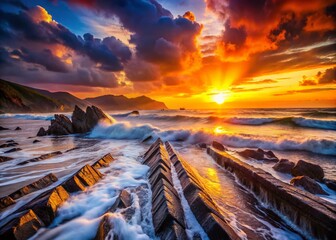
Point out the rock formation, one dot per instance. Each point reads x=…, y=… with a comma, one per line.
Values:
x=81, y=122
x=303, y=168
x=259, y=154
x=284, y=166
x=308, y=184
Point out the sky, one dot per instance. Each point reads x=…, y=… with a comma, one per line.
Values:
x=186, y=53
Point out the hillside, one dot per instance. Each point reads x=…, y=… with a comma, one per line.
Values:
x=120, y=102
x=16, y=98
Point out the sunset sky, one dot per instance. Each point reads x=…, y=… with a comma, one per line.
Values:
x=186, y=53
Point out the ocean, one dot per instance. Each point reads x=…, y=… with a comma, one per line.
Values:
x=294, y=134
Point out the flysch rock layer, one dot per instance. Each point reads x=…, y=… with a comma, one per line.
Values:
x=311, y=214
x=201, y=204
x=167, y=211
x=42, y=209
x=103, y=162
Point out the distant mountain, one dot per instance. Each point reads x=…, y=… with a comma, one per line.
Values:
x=120, y=102
x=16, y=98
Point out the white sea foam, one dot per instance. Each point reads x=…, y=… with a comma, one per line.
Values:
x=84, y=210
x=126, y=131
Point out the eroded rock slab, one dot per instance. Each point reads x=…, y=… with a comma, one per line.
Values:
x=40, y=158
x=35, y=186
x=303, y=168
x=313, y=215
x=308, y=184
x=5, y=202
x=5, y=159
x=284, y=166
x=167, y=211
x=201, y=204
x=86, y=176
x=22, y=228
x=103, y=162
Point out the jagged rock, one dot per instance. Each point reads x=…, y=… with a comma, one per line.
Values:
x=103, y=162
x=259, y=154
x=40, y=158
x=94, y=115
x=41, y=132
x=202, y=145
x=36, y=141
x=218, y=146
x=308, y=184
x=303, y=168
x=86, y=176
x=79, y=120
x=201, y=204
x=5, y=159
x=284, y=166
x=35, y=186
x=330, y=183
x=18, y=129
x=13, y=150
x=310, y=213
x=106, y=229
x=3, y=128
x=45, y=206
x=23, y=227
x=135, y=112
x=11, y=144
x=5, y=202
x=61, y=125
x=167, y=212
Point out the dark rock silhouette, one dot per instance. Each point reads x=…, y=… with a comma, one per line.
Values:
x=81, y=122
x=11, y=144
x=308, y=184
x=5, y=159
x=13, y=150
x=259, y=154
x=284, y=166
x=36, y=141
x=41, y=132
x=3, y=128
x=218, y=146
x=303, y=168
x=330, y=183
x=18, y=129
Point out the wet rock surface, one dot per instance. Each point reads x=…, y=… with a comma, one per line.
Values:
x=13, y=150
x=23, y=227
x=284, y=166
x=308, y=184
x=167, y=212
x=5, y=202
x=303, y=168
x=330, y=183
x=35, y=186
x=219, y=146
x=42, y=209
x=310, y=214
x=40, y=158
x=81, y=122
x=3, y=128
x=5, y=159
x=259, y=154
x=201, y=204
x=103, y=162
x=10, y=144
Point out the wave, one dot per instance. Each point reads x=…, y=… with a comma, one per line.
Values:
x=126, y=131
x=28, y=116
x=252, y=121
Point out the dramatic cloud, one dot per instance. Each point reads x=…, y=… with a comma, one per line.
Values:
x=158, y=37
x=45, y=58
x=252, y=27
x=327, y=77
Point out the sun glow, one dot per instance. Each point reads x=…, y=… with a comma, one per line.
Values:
x=220, y=98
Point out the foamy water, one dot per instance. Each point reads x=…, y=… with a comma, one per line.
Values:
x=293, y=134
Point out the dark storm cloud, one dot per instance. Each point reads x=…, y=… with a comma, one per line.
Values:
x=327, y=77
x=16, y=3
x=19, y=29
x=159, y=38
x=141, y=71
x=235, y=36
x=45, y=58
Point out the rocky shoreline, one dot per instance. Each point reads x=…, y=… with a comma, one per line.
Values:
x=311, y=215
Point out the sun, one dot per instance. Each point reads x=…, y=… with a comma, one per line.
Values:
x=219, y=98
